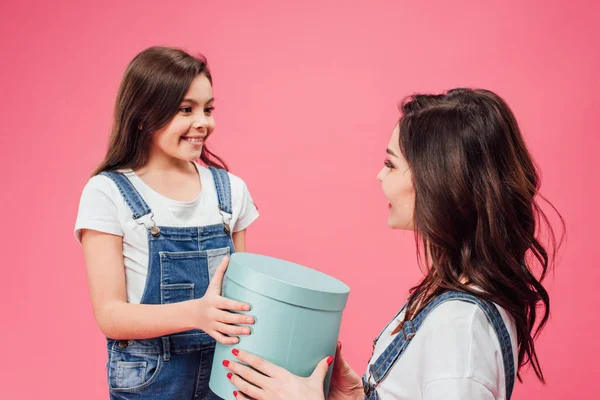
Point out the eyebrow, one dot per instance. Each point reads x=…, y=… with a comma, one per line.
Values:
x=389, y=151
x=194, y=102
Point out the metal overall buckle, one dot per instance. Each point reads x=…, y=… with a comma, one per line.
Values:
x=411, y=333
x=226, y=226
x=154, y=229
x=367, y=387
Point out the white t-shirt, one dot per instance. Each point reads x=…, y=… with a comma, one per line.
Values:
x=454, y=355
x=102, y=208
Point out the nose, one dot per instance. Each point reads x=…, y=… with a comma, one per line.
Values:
x=381, y=174
x=201, y=121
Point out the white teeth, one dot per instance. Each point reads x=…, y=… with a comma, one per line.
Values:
x=194, y=140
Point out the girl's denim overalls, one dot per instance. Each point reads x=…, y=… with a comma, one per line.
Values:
x=181, y=262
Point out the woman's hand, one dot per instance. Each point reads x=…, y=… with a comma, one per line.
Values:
x=210, y=312
x=272, y=382
x=345, y=383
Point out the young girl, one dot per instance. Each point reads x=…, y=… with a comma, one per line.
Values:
x=156, y=228
x=457, y=173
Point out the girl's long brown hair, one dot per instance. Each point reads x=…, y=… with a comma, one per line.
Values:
x=476, y=216
x=153, y=86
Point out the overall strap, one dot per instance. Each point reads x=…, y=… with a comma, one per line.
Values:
x=139, y=208
x=384, y=363
x=223, y=186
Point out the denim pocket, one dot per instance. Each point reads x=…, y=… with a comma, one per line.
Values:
x=214, y=258
x=177, y=292
x=132, y=372
x=185, y=275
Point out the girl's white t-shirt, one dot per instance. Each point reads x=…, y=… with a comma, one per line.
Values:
x=454, y=355
x=102, y=208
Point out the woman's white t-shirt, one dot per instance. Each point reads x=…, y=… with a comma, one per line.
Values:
x=102, y=208
x=454, y=355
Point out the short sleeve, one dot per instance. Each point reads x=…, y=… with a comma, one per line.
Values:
x=470, y=366
x=97, y=208
x=456, y=389
x=247, y=210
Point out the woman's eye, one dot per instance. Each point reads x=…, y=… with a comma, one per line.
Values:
x=186, y=110
x=388, y=164
x=209, y=110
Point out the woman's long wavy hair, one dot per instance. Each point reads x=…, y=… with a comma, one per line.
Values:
x=153, y=86
x=476, y=219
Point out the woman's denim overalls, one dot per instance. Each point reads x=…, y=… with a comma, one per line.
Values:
x=384, y=363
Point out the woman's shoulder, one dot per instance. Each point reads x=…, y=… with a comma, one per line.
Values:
x=461, y=315
x=459, y=334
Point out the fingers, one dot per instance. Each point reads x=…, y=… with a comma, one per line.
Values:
x=239, y=395
x=263, y=366
x=338, y=354
x=224, y=303
x=219, y=337
x=217, y=280
x=248, y=375
x=340, y=362
x=247, y=388
x=232, y=329
x=320, y=371
x=238, y=319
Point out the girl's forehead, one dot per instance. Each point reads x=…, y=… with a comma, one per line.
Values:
x=200, y=88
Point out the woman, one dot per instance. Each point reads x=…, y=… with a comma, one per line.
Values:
x=458, y=174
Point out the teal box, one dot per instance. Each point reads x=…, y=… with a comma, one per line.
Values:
x=297, y=311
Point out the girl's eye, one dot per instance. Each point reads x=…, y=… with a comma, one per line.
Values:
x=209, y=110
x=186, y=110
x=388, y=164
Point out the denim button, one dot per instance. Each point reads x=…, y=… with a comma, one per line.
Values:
x=155, y=231
x=123, y=343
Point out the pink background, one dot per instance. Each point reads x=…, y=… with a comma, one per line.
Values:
x=306, y=100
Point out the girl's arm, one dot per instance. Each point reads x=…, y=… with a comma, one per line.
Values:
x=239, y=240
x=118, y=319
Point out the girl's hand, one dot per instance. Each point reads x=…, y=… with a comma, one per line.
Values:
x=209, y=312
x=345, y=383
x=272, y=382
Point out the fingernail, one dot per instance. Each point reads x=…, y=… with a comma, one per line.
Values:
x=340, y=344
x=234, y=393
x=235, y=352
x=329, y=360
x=226, y=363
x=249, y=320
x=229, y=375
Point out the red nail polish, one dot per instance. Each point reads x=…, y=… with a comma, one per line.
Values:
x=234, y=394
x=226, y=363
x=329, y=360
x=235, y=352
x=229, y=375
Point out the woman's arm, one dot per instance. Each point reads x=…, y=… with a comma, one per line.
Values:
x=118, y=319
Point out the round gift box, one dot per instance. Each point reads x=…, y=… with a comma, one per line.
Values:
x=297, y=312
